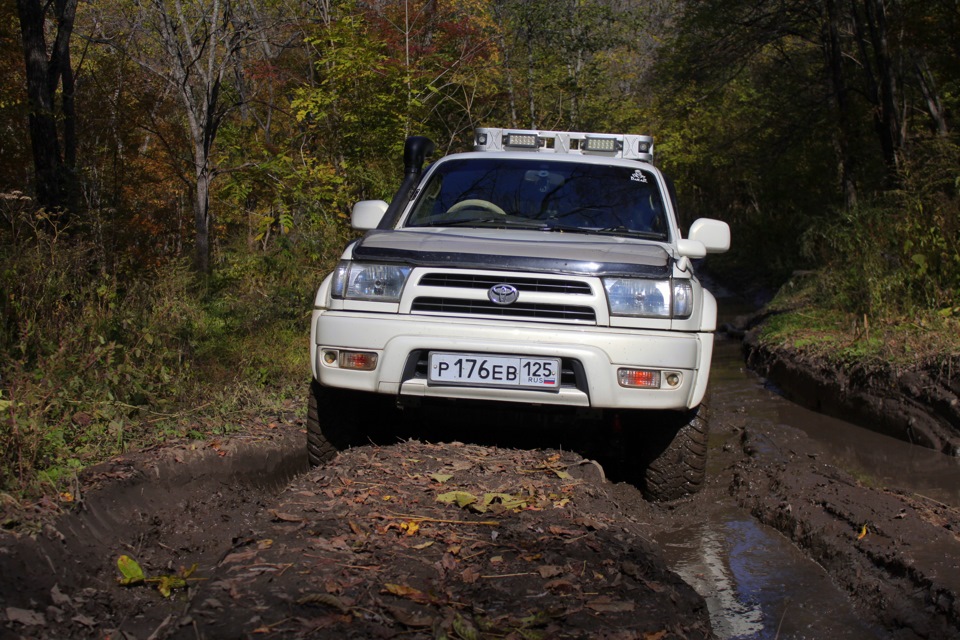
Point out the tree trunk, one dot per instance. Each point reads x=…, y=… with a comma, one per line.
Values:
x=931, y=97
x=54, y=169
x=202, y=223
x=834, y=59
x=887, y=115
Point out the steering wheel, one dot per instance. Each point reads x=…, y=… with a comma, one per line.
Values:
x=476, y=203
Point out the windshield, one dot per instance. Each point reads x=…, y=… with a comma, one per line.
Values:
x=542, y=194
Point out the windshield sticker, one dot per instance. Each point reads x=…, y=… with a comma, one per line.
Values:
x=638, y=176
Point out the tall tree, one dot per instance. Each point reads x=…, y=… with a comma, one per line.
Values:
x=194, y=48
x=49, y=74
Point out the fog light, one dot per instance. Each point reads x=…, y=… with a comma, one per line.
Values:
x=638, y=378
x=330, y=357
x=359, y=360
x=673, y=379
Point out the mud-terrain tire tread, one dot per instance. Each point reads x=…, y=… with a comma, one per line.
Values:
x=328, y=436
x=680, y=469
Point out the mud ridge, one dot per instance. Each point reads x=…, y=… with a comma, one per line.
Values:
x=896, y=554
x=920, y=405
x=58, y=583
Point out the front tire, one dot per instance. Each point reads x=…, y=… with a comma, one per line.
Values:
x=334, y=421
x=675, y=454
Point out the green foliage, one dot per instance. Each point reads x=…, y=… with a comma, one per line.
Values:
x=95, y=360
x=898, y=255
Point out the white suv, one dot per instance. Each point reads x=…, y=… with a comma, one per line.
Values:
x=545, y=269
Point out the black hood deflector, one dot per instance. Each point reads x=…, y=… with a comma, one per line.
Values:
x=580, y=255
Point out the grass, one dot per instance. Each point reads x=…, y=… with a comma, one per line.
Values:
x=803, y=320
x=99, y=359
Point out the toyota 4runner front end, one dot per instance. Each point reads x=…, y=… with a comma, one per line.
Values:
x=544, y=268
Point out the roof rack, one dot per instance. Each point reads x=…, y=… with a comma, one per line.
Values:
x=611, y=145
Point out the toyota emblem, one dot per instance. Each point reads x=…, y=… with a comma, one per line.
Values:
x=503, y=294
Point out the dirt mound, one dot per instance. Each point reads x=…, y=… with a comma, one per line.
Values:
x=411, y=540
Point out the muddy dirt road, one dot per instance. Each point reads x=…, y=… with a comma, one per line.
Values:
x=807, y=529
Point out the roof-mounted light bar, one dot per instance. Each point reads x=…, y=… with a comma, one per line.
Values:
x=632, y=147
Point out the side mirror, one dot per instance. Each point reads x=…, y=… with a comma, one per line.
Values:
x=367, y=214
x=706, y=236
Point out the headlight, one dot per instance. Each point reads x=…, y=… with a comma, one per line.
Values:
x=649, y=298
x=377, y=282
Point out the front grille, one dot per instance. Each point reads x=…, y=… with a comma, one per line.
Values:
x=515, y=310
x=472, y=281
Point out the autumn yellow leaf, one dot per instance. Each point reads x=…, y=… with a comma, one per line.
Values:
x=863, y=533
x=461, y=498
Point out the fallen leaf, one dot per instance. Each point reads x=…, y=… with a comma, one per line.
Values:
x=58, y=598
x=549, y=571
x=168, y=583
x=508, y=501
x=26, y=617
x=284, y=517
x=408, y=592
x=410, y=528
x=84, y=620
x=423, y=546
x=448, y=562
x=326, y=599
x=440, y=477
x=559, y=584
x=863, y=533
x=659, y=635
x=464, y=629
x=560, y=531
x=239, y=556
x=130, y=570
x=461, y=498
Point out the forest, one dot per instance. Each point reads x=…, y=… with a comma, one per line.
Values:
x=176, y=177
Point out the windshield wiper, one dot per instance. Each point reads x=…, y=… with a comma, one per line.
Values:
x=487, y=221
x=610, y=231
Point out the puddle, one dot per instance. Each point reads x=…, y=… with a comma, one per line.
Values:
x=757, y=584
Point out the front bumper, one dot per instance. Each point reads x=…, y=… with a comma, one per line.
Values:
x=593, y=353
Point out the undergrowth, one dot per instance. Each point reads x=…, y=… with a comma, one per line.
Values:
x=887, y=283
x=800, y=317
x=98, y=356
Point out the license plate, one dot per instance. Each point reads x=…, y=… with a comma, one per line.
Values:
x=482, y=370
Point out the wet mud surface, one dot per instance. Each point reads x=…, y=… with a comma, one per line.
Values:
x=534, y=537
x=920, y=405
